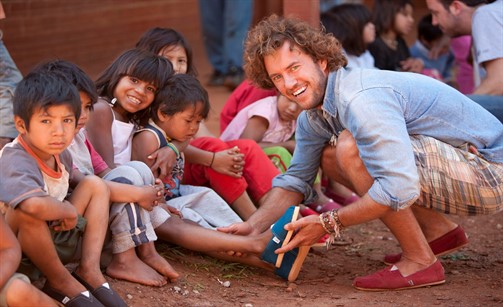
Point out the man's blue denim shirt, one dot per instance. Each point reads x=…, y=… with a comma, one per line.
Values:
x=381, y=109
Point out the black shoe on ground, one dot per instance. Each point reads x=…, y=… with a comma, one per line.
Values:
x=216, y=79
x=234, y=78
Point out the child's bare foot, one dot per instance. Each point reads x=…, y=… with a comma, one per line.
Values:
x=149, y=255
x=128, y=266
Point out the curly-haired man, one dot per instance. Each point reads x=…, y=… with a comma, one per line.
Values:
x=410, y=146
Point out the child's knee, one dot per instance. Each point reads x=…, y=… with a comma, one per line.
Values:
x=95, y=184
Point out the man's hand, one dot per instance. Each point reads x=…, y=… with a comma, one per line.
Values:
x=309, y=231
x=229, y=162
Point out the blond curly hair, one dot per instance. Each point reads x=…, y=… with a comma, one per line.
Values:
x=270, y=34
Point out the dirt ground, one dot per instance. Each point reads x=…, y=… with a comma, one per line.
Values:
x=473, y=275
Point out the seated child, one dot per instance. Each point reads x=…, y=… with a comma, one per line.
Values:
x=238, y=171
x=176, y=113
x=35, y=182
x=271, y=122
x=131, y=184
x=428, y=36
x=15, y=288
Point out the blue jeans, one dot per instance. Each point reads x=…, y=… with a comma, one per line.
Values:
x=9, y=78
x=493, y=104
x=225, y=24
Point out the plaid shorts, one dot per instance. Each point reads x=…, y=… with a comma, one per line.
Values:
x=455, y=181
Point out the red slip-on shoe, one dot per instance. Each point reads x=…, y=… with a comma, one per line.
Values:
x=390, y=278
x=344, y=201
x=446, y=244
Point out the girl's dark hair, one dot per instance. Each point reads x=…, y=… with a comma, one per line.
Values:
x=44, y=89
x=385, y=12
x=427, y=31
x=346, y=22
x=141, y=64
x=74, y=74
x=181, y=91
x=156, y=39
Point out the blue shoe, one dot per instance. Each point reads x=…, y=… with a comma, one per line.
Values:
x=288, y=264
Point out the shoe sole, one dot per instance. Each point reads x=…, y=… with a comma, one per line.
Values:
x=288, y=237
x=436, y=283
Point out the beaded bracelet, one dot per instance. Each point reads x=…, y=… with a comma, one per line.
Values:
x=331, y=223
x=173, y=147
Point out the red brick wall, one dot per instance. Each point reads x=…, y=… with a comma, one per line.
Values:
x=90, y=33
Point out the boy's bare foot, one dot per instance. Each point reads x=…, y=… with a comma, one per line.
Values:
x=128, y=266
x=149, y=255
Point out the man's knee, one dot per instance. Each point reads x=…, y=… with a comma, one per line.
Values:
x=342, y=153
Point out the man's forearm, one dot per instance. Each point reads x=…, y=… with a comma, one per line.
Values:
x=275, y=204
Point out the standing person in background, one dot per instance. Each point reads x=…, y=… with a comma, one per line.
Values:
x=393, y=20
x=484, y=22
x=224, y=24
x=9, y=78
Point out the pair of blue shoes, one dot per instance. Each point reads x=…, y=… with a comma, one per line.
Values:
x=287, y=265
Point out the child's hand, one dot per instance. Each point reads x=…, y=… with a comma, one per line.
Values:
x=164, y=161
x=172, y=210
x=412, y=64
x=68, y=222
x=229, y=162
x=151, y=195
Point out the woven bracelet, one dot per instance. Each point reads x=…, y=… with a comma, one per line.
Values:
x=173, y=147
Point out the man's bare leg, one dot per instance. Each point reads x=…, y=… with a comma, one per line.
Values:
x=343, y=164
x=433, y=224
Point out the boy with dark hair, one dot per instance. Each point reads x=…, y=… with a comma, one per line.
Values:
x=35, y=182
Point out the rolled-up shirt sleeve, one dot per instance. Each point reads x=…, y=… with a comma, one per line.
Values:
x=377, y=123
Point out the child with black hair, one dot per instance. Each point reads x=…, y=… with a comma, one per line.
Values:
x=127, y=88
x=176, y=115
x=393, y=20
x=126, y=182
x=238, y=170
x=352, y=25
x=35, y=176
x=429, y=36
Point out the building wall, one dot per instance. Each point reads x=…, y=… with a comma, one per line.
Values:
x=92, y=33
